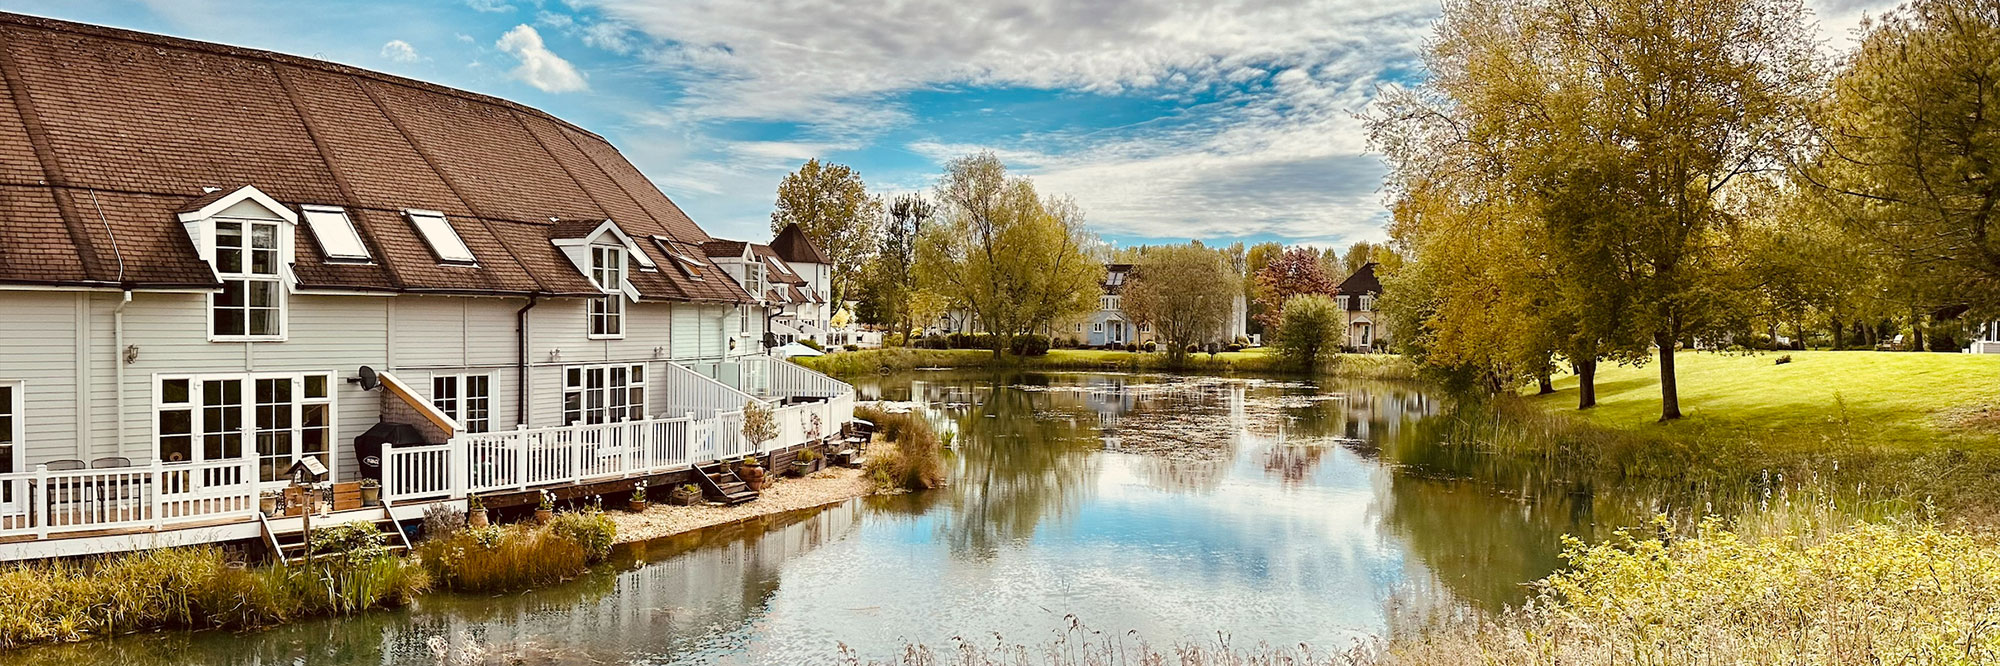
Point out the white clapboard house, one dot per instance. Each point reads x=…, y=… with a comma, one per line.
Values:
x=218, y=262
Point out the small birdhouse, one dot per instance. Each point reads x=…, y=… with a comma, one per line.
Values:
x=307, y=470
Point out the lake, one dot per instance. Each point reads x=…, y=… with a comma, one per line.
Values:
x=1174, y=507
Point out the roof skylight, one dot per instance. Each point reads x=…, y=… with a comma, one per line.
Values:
x=336, y=233
x=442, y=238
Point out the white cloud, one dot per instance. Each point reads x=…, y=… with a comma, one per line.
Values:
x=539, y=67
x=491, y=6
x=1263, y=140
x=399, y=51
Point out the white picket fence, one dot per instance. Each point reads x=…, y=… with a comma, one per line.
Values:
x=528, y=458
x=157, y=495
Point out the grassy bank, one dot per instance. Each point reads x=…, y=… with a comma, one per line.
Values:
x=1914, y=401
x=1255, y=360
x=1814, y=591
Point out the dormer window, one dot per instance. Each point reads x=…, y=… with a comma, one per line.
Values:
x=336, y=234
x=607, y=313
x=246, y=238
x=252, y=301
x=443, y=239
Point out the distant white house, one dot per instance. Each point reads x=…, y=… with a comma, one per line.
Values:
x=1356, y=295
x=1108, y=325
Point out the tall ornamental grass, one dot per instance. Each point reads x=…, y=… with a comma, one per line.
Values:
x=189, y=588
x=909, y=455
x=513, y=557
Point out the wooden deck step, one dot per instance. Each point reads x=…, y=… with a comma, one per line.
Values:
x=719, y=483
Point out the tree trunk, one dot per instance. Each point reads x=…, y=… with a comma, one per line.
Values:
x=1838, y=338
x=1670, y=395
x=1586, y=383
x=1544, y=385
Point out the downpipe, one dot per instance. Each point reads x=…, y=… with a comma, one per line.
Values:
x=522, y=388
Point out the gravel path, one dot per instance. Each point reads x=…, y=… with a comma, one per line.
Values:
x=823, y=487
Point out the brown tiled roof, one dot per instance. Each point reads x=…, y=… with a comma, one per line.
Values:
x=723, y=248
x=714, y=285
x=775, y=265
x=106, y=133
x=793, y=246
x=1363, y=281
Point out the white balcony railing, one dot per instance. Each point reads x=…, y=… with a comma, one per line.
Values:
x=158, y=495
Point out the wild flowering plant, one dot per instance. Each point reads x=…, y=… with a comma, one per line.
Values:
x=548, y=501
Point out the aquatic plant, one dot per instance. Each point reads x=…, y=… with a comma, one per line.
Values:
x=189, y=588
x=909, y=456
x=592, y=530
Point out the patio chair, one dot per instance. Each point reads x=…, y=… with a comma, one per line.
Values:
x=110, y=462
x=64, y=465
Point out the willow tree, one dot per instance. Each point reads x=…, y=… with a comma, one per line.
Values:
x=1911, y=153
x=1184, y=292
x=831, y=204
x=1017, y=261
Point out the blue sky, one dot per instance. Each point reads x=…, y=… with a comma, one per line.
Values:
x=1167, y=120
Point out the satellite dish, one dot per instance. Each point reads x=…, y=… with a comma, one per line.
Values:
x=369, y=381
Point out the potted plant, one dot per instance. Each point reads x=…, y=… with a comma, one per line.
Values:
x=475, y=512
x=686, y=495
x=545, y=511
x=371, y=492
x=807, y=462
x=638, y=502
x=268, y=503
x=751, y=470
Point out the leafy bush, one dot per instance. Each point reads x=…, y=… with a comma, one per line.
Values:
x=809, y=342
x=442, y=518
x=851, y=347
x=1030, y=345
x=1308, y=330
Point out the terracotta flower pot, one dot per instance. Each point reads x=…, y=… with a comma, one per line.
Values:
x=476, y=518
x=637, y=506
x=543, y=516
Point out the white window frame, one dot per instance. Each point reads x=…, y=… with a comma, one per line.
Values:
x=442, y=238
x=605, y=398
x=246, y=403
x=15, y=407
x=459, y=405
x=244, y=273
x=1367, y=302
x=1097, y=327
x=333, y=221
x=607, y=271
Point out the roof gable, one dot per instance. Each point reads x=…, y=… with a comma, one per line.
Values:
x=1363, y=281
x=793, y=246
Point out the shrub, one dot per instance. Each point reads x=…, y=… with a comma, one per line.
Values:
x=442, y=518
x=758, y=424
x=1150, y=346
x=353, y=542
x=1030, y=345
x=502, y=558
x=1131, y=347
x=592, y=530
x=851, y=347
x=1782, y=360
x=909, y=456
x=1308, y=330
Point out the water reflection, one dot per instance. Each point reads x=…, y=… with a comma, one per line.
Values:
x=1278, y=511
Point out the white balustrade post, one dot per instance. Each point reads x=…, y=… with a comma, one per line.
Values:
x=457, y=472
x=156, y=506
x=521, y=455
x=388, y=474
x=687, y=452
x=576, y=451
x=41, y=501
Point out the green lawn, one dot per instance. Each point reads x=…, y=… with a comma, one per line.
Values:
x=1893, y=398
x=1257, y=359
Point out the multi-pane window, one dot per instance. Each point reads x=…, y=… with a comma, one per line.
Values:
x=467, y=399
x=10, y=424
x=604, y=393
x=607, y=314
x=289, y=416
x=252, y=301
x=1367, y=302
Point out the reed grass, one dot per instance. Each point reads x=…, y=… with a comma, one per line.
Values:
x=515, y=557
x=188, y=588
x=909, y=455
